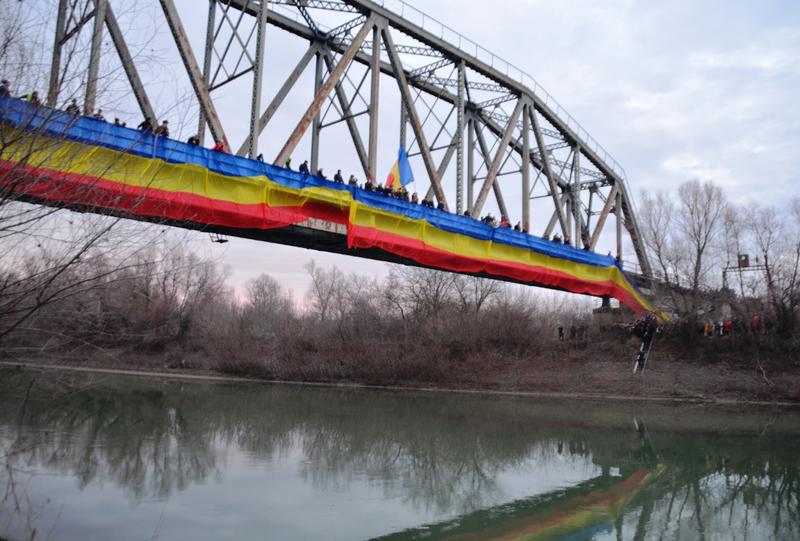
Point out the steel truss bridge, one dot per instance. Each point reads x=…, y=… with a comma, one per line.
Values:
x=458, y=99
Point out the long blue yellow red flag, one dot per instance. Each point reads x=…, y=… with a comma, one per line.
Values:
x=400, y=174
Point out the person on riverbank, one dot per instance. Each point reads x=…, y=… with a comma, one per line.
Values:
x=646, y=329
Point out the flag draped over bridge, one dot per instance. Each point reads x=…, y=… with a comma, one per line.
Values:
x=60, y=159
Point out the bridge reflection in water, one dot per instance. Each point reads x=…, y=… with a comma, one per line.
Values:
x=422, y=465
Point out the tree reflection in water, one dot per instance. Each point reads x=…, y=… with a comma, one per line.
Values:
x=440, y=453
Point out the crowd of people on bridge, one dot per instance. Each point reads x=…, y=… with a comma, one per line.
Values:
x=370, y=185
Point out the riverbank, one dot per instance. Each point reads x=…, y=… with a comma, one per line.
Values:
x=566, y=370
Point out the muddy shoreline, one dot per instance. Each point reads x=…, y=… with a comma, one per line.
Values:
x=570, y=377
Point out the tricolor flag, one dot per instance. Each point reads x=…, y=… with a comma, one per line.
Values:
x=401, y=174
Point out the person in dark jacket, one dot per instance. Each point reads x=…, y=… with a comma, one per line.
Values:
x=304, y=167
x=73, y=108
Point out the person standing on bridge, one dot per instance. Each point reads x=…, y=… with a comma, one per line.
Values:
x=288, y=164
x=99, y=115
x=320, y=174
x=4, y=88
x=338, y=177
x=304, y=167
x=194, y=140
x=73, y=108
x=145, y=125
x=163, y=129
x=33, y=98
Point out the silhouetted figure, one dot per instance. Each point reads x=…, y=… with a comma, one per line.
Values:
x=338, y=177
x=415, y=198
x=304, y=167
x=352, y=181
x=440, y=205
x=288, y=163
x=645, y=329
x=517, y=227
x=33, y=98
x=368, y=185
x=193, y=140
x=163, y=129
x=320, y=174
x=560, y=332
x=99, y=115
x=145, y=125
x=73, y=108
x=5, y=89
x=260, y=157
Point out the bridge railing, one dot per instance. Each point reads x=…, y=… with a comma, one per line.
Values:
x=469, y=47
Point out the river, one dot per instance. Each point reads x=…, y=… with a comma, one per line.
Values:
x=91, y=456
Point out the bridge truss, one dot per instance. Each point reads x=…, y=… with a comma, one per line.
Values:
x=506, y=133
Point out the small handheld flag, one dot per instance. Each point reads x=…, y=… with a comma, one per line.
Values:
x=401, y=173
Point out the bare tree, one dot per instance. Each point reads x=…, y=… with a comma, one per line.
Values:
x=700, y=212
x=324, y=289
x=474, y=292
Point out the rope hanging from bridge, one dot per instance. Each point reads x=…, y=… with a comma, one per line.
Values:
x=68, y=160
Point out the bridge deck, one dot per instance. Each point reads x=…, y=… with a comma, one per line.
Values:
x=57, y=159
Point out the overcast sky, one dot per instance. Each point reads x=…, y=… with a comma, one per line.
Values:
x=674, y=90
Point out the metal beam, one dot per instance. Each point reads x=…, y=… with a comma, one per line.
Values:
x=346, y=27
x=349, y=117
x=258, y=65
x=316, y=122
x=55, y=63
x=374, y=98
x=526, y=170
x=300, y=5
x=501, y=204
x=413, y=117
x=430, y=68
x=601, y=220
x=448, y=155
x=501, y=151
x=470, y=162
x=209, y=46
x=94, y=56
x=445, y=82
x=193, y=70
x=618, y=213
x=554, y=217
x=323, y=92
x=129, y=66
x=551, y=180
x=460, y=139
x=276, y=102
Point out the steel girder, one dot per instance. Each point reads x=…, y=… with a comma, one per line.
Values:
x=368, y=39
x=424, y=79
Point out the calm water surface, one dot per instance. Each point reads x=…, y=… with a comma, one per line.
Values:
x=126, y=458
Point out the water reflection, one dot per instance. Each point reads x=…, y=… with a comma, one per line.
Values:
x=635, y=471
